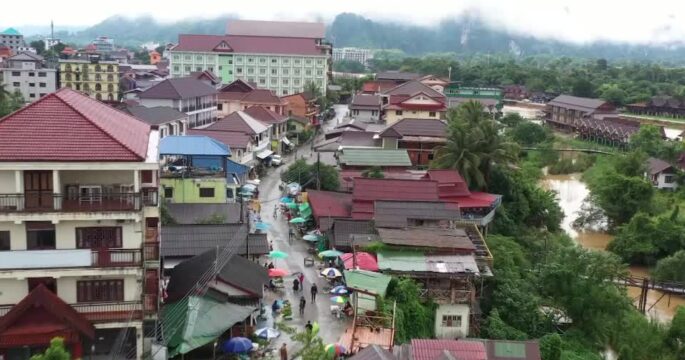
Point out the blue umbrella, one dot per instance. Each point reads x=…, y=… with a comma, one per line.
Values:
x=286, y=199
x=262, y=226
x=339, y=290
x=237, y=345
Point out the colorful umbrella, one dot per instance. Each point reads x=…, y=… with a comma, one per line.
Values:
x=276, y=272
x=338, y=299
x=277, y=254
x=287, y=200
x=330, y=253
x=331, y=273
x=267, y=333
x=335, y=349
x=298, y=220
x=339, y=290
x=365, y=261
x=237, y=345
x=311, y=238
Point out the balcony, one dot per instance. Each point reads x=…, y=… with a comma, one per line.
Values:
x=70, y=258
x=151, y=251
x=103, y=312
x=43, y=201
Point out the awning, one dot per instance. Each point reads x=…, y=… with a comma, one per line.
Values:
x=264, y=154
x=286, y=141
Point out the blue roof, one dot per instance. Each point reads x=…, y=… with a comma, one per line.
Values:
x=10, y=31
x=192, y=145
x=233, y=167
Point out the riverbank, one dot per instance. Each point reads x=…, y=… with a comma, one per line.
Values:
x=571, y=193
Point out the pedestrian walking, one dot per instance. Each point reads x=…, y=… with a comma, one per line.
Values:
x=296, y=285
x=303, y=303
x=309, y=326
x=314, y=289
x=301, y=278
x=284, y=352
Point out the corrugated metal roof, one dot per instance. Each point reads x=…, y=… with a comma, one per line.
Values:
x=374, y=157
x=416, y=261
x=428, y=237
x=655, y=166
x=512, y=350
x=265, y=115
x=577, y=103
x=178, y=88
x=192, y=145
x=414, y=87
x=343, y=229
x=427, y=349
x=329, y=204
x=373, y=352
x=419, y=127
x=232, y=139
x=395, y=214
x=239, y=121
x=190, y=240
x=155, y=115
x=367, y=281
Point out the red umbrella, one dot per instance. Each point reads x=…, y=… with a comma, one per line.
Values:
x=365, y=261
x=276, y=272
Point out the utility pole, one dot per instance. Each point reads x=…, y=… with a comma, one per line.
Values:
x=318, y=170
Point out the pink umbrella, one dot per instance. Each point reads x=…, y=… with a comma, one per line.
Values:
x=276, y=272
x=365, y=261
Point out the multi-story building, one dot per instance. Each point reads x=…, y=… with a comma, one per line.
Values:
x=188, y=95
x=354, y=54
x=414, y=100
x=568, y=112
x=25, y=72
x=103, y=44
x=240, y=95
x=13, y=39
x=271, y=60
x=98, y=79
x=79, y=219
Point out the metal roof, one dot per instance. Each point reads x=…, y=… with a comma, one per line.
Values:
x=190, y=240
x=192, y=145
x=374, y=157
x=367, y=281
x=178, y=88
x=396, y=214
x=432, y=237
x=409, y=261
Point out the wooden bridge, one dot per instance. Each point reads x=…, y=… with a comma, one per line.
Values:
x=589, y=151
x=646, y=284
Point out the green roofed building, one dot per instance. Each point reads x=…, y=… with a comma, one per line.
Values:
x=357, y=159
x=490, y=97
x=367, y=285
x=13, y=39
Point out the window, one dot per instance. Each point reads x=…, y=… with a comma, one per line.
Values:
x=431, y=114
x=274, y=61
x=262, y=81
x=431, y=156
x=297, y=72
x=319, y=72
x=187, y=68
x=238, y=70
x=40, y=235
x=16, y=73
x=285, y=71
x=308, y=72
x=451, y=320
x=285, y=81
x=308, y=62
x=229, y=193
x=669, y=179
x=15, y=84
x=297, y=62
x=398, y=112
x=262, y=60
x=32, y=95
x=198, y=58
x=219, y=107
x=168, y=192
x=4, y=240
x=250, y=60
x=32, y=74
x=250, y=71
x=374, y=112
x=32, y=84
x=206, y=192
x=99, y=290
x=42, y=84
x=274, y=81
x=262, y=71
x=274, y=71
x=286, y=61
x=198, y=68
x=98, y=237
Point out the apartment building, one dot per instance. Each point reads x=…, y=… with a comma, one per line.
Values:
x=353, y=54
x=189, y=95
x=98, y=79
x=25, y=72
x=13, y=39
x=79, y=219
x=275, y=58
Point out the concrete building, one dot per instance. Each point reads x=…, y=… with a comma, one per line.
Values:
x=79, y=220
x=188, y=95
x=239, y=95
x=13, y=39
x=264, y=53
x=168, y=121
x=414, y=100
x=366, y=108
x=25, y=72
x=98, y=79
x=103, y=44
x=354, y=54
x=661, y=174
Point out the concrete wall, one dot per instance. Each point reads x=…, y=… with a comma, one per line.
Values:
x=662, y=184
x=13, y=290
x=188, y=190
x=444, y=332
x=392, y=117
x=365, y=115
x=29, y=83
x=7, y=182
x=65, y=233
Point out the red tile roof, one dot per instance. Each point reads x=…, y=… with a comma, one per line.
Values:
x=265, y=115
x=424, y=349
x=233, y=139
x=329, y=204
x=69, y=126
x=276, y=28
x=248, y=44
x=367, y=190
x=262, y=96
x=450, y=183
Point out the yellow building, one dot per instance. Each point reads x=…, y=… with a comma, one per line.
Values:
x=97, y=79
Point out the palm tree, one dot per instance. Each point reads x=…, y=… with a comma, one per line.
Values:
x=474, y=145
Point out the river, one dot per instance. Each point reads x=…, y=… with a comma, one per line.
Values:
x=571, y=192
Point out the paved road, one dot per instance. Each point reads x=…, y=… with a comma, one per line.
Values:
x=269, y=195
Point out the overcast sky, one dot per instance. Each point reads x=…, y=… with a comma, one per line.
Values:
x=654, y=21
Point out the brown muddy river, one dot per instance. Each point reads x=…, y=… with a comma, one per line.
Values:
x=571, y=192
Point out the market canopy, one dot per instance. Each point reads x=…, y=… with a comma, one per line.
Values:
x=202, y=320
x=365, y=261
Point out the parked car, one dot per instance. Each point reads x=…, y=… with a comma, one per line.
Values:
x=276, y=160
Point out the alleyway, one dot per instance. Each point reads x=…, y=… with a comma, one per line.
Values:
x=269, y=195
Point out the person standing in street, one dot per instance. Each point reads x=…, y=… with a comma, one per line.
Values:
x=303, y=302
x=314, y=291
x=309, y=327
x=301, y=278
x=284, y=352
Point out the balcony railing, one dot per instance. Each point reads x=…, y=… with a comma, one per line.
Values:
x=151, y=251
x=101, y=312
x=49, y=202
x=71, y=258
x=116, y=258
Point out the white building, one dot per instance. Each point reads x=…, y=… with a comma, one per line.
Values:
x=188, y=95
x=25, y=72
x=661, y=174
x=354, y=54
x=79, y=248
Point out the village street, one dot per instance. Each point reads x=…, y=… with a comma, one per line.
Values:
x=269, y=194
